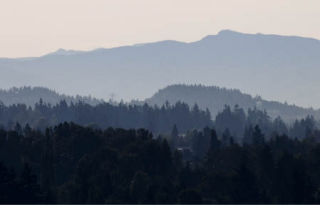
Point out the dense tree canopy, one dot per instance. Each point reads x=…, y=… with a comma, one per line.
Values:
x=71, y=164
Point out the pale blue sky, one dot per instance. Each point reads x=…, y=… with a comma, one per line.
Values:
x=36, y=27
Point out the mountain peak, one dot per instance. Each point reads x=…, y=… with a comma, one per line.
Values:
x=62, y=51
x=228, y=32
x=223, y=33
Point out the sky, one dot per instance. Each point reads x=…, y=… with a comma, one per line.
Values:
x=37, y=27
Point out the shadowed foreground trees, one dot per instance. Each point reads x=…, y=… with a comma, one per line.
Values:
x=71, y=164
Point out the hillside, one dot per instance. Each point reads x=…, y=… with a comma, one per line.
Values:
x=32, y=95
x=214, y=98
x=281, y=68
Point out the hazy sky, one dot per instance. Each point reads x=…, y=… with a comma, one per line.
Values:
x=36, y=27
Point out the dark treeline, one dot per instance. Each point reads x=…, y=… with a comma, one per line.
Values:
x=103, y=115
x=70, y=164
x=233, y=122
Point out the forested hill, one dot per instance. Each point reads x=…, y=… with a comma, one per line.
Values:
x=31, y=95
x=215, y=98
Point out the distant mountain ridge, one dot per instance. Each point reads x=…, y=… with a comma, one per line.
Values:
x=282, y=68
x=215, y=98
x=32, y=95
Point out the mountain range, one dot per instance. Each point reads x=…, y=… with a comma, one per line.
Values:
x=281, y=68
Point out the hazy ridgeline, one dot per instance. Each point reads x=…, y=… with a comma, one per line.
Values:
x=275, y=67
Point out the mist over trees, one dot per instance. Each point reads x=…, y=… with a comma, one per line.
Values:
x=116, y=153
x=236, y=123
